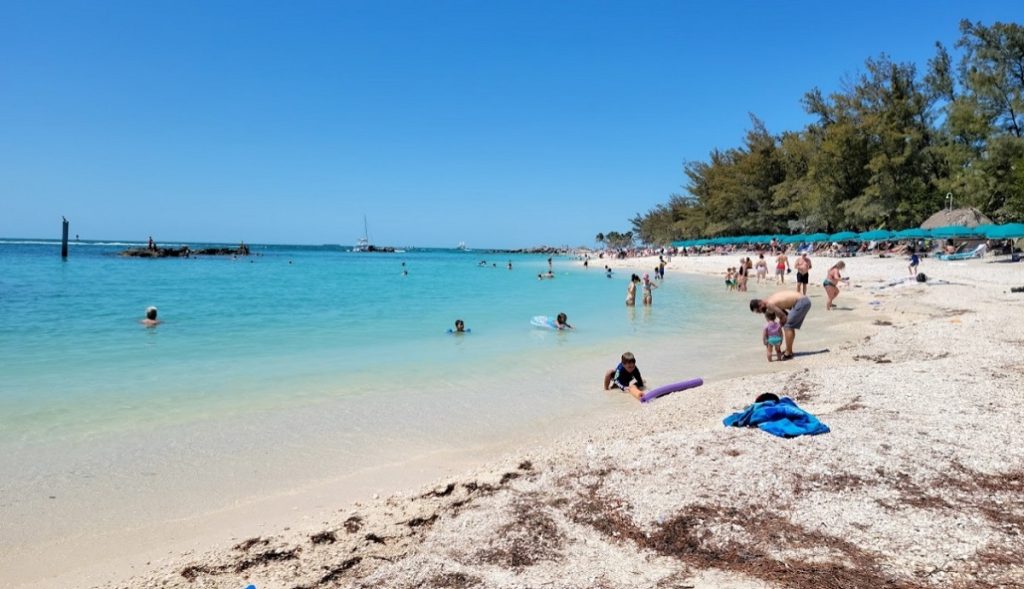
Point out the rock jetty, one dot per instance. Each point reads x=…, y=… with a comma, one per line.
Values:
x=184, y=252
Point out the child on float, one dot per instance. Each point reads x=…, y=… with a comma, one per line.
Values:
x=562, y=322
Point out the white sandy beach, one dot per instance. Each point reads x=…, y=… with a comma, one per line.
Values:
x=917, y=485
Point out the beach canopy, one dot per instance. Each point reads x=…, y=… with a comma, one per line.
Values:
x=843, y=236
x=950, y=231
x=876, y=235
x=913, y=233
x=1007, y=231
x=805, y=238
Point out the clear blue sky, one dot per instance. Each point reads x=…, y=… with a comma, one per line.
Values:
x=501, y=124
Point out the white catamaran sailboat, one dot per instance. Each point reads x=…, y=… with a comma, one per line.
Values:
x=363, y=243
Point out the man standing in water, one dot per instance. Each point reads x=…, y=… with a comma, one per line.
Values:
x=791, y=308
x=781, y=267
x=803, y=273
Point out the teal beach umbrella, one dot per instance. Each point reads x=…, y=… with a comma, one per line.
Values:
x=843, y=236
x=951, y=231
x=913, y=233
x=1007, y=231
x=876, y=235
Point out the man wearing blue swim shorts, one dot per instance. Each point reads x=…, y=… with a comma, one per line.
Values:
x=791, y=308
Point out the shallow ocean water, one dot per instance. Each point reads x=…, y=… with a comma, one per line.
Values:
x=287, y=326
x=300, y=364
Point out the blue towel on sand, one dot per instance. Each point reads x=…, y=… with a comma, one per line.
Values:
x=780, y=418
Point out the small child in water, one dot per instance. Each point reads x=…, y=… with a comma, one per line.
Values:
x=772, y=335
x=562, y=321
x=460, y=327
x=626, y=376
x=730, y=278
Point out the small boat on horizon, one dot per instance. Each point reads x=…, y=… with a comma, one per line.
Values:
x=462, y=247
x=363, y=243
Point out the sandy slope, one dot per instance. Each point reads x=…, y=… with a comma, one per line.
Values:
x=918, y=485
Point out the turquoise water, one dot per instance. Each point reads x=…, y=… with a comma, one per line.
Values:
x=311, y=374
x=289, y=325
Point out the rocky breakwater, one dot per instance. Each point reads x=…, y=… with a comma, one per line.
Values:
x=184, y=252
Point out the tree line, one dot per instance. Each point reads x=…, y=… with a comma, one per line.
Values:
x=882, y=152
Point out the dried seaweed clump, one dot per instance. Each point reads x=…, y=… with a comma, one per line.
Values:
x=530, y=537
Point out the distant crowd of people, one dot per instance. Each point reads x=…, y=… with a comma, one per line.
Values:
x=784, y=311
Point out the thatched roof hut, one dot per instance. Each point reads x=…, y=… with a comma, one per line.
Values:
x=965, y=217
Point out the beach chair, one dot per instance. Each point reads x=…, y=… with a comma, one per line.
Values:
x=975, y=253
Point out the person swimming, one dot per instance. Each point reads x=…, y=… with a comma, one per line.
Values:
x=150, y=320
x=562, y=322
x=460, y=327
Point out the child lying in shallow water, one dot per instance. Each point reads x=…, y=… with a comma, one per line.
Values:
x=626, y=376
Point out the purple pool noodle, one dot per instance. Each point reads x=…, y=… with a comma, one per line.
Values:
x=671, y=388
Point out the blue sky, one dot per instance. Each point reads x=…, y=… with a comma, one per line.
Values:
x=501, y=124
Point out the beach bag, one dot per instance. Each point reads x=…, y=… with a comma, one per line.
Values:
x=921, y=277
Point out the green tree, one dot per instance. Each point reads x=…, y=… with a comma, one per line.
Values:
x=616, y=240
x=897, y=118
x=993, y=71
x=983, y=123
x=881, y=152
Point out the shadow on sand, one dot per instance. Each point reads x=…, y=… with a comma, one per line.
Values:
x=811, y=353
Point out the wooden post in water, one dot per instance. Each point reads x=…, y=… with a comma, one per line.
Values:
x=64, y=241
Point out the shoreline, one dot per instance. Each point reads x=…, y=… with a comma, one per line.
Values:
x=160, y=531
x=557, y=457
